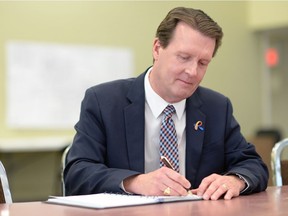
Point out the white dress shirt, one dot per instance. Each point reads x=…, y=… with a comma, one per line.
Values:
x=154, y=105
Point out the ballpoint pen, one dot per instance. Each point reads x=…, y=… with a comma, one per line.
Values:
x=166, y=162
x=169, y=165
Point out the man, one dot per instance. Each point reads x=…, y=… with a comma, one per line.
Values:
x=117, y=146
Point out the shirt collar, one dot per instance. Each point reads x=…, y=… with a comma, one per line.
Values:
x=158, y=104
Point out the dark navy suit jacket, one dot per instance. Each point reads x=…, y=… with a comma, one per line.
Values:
x=109, y=141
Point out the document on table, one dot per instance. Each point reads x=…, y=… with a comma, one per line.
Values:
x=109, y=200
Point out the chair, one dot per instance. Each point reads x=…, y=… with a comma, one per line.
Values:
x=264, y=146
x=279, y=167
x=274, y=133
x=63, y=164
x=5, y=194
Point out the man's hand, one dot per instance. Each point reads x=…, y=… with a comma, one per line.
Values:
x=215, y=186
x=155, y=183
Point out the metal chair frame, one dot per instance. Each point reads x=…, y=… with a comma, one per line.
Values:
x=5, y=194
x=276, y=161
x=63, y=164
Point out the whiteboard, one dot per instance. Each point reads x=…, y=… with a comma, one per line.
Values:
x=46, y=82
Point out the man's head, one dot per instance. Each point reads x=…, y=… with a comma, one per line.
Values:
x=186, y=42
x=197, y=19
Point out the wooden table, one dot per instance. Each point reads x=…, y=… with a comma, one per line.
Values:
x=272, y=202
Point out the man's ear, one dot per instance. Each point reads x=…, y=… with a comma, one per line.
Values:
x=156, y=48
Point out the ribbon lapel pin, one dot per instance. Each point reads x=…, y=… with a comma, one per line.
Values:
x=198, y=125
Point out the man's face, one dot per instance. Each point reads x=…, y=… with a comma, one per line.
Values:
x=180, y=67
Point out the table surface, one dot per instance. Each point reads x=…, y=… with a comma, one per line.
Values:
x=273, y=201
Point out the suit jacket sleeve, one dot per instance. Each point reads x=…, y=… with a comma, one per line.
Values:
x=98, y=159
x=221, y=146
x=242, y=157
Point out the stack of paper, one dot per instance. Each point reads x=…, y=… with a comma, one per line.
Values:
x=109, y=200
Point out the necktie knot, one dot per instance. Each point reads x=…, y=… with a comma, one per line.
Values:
x=169, y=111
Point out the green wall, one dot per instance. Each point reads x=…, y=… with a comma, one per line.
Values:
x=235, y=70
x=265, y=15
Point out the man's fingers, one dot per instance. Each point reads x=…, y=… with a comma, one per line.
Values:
x=205, y=184
x=215, y=186
x=229, y=195
x=222, y=189
x=176, y=182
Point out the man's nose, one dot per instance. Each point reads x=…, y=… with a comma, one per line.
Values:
x=191, y=68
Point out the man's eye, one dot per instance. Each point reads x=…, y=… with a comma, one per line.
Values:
x=184, y=58
x=203, y=63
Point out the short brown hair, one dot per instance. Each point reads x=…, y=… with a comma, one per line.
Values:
x=197, y=19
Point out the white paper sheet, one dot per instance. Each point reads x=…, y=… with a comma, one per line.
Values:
x=108, y=200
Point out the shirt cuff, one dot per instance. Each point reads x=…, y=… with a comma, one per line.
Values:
x=123, y=188
x=247, y=185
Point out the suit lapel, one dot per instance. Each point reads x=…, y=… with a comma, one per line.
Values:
x=134, y=123
x=194, y=138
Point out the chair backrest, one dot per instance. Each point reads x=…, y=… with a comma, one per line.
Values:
x=5, y=194
x=284, y=172
x=279, y=167
x=264, y=146
x=63, y=164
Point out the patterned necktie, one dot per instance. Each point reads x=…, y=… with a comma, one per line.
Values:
x=168, y=138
